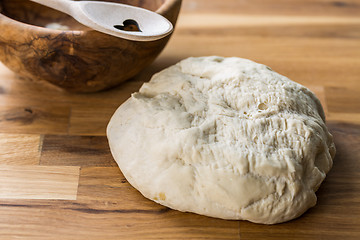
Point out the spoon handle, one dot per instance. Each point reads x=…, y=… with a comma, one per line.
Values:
x=61, y=5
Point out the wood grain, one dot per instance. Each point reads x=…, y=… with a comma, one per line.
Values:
x=22, y=115
x=105, y=220
x=313, y=42
x=90, y=120
x=76, y=151
x=278, y=7
x=338, y=97
x=20, y=149
x=38, y=182
x=231, y=21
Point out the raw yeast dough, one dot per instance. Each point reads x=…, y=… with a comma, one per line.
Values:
x=226, y=138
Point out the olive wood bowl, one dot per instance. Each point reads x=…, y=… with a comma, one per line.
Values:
x=78, y=59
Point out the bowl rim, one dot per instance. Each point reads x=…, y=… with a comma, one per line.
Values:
x=162, y=10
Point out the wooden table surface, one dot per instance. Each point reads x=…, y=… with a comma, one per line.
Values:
x=58, y=179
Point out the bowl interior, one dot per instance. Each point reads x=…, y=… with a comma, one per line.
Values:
x=32, y=13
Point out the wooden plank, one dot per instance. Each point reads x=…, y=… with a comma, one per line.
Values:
x=278, y=7
x=344, y=117
x=334, y=31
x=38, y=182
x=21, y=115
x=220, y=20
x=90, y=120
x=104, y=220
x=347, y=140
x=76, y=151
x=343, y=100
x=316, y=49
x=20, y=149
x=105, y=183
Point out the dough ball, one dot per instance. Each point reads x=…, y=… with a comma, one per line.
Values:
x=226, y=138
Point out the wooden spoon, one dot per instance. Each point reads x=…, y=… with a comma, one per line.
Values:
x=120, y=20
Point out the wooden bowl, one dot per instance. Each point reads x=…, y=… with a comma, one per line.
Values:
x=79, y=59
